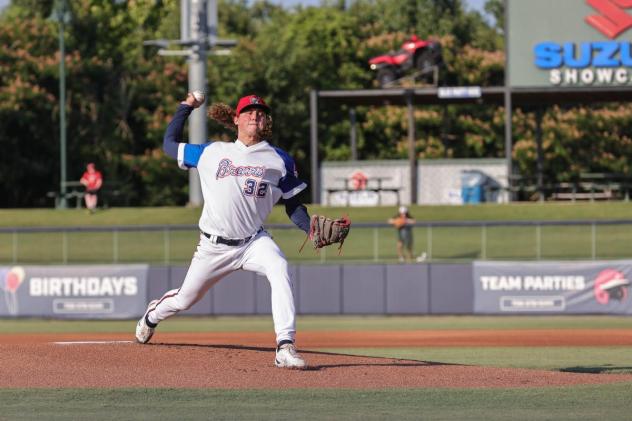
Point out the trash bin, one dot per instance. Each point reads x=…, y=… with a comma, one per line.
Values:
x=473, y=186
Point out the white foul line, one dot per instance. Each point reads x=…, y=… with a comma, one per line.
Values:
x=92, y=342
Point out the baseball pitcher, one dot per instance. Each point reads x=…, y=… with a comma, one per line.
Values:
x=241, y=181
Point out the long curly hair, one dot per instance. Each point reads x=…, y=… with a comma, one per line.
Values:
x=225, y=116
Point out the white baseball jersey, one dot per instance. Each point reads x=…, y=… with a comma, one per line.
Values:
x=260, y=174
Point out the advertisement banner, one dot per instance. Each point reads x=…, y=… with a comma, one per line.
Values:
x=569, y=43
x=552, y=287
x=73, y=292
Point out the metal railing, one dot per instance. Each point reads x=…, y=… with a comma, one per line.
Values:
x=368, y=242
x=585, y=186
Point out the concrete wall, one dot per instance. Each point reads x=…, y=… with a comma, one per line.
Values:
x=393, y=174
x=336, y=289
x=439, y=181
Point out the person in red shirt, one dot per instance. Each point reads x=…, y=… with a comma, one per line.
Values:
x=92, y=180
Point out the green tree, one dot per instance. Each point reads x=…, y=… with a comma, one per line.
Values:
x=293, y=53
x=27, y=106
x=576, y=140
x=120, y=94
x=496, y=8
x=115, y=95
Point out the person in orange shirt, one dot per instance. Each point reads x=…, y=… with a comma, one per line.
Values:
x=403, y=222
x=92, y=180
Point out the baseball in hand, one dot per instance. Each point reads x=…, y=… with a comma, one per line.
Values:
x=199, y=96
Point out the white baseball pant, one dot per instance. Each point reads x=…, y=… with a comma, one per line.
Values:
x=211, y=262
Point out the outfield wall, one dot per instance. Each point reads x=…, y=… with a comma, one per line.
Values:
x=337, y=289
x=479, y=287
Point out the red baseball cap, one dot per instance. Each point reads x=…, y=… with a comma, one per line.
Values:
x=250, y=101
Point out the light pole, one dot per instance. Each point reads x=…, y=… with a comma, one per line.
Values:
x=62, y=16
x=198, y=34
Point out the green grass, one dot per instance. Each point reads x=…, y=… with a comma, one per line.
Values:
x=190, y=215
x=322, y=323
x=363, y=245
x=585, y=359
x=610, y=402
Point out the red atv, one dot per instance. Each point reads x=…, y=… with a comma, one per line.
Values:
x=415, y=54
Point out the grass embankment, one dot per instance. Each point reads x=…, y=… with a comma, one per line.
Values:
x=175, y=246
x=184, y=215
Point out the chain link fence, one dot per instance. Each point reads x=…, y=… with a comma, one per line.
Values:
x=367, y=242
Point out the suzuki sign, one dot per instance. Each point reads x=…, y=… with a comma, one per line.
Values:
x=569, y=42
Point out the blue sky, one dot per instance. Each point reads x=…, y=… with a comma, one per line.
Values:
x=475, y=5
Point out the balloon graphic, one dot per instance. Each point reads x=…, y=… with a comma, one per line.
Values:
x=11, y=281
x=610, y=285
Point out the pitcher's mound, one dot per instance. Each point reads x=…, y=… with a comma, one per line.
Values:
x=115, y=361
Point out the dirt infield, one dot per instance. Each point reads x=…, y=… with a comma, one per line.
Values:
x=245, y=360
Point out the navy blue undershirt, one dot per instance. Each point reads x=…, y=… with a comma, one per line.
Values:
x=297, y=213
x=173, y=133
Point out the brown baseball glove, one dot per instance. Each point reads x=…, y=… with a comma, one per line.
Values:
x=324, y=231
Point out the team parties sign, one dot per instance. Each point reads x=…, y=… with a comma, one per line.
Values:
x=552, y=287
x=117, y=291
x=569, y=43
